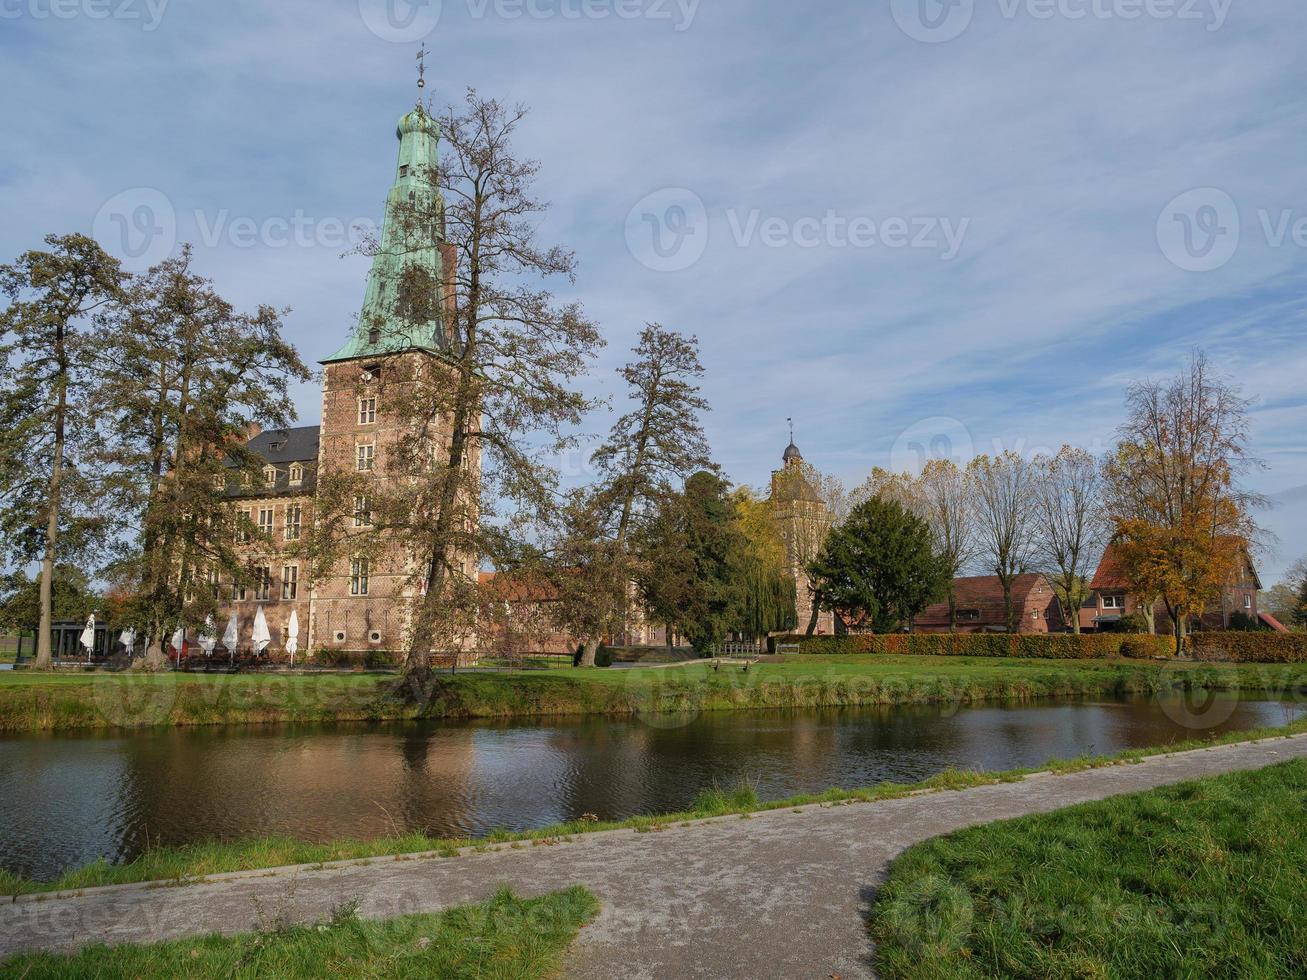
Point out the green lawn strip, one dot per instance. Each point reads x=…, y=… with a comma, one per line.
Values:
x=60, y=702
x=503, y=937
x=190, y=863
x=1202, y=879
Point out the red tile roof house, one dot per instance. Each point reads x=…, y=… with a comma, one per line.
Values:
x=1111, y=599
x=981, y=609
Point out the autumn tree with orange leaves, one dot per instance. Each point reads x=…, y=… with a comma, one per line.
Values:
x=1181, y=519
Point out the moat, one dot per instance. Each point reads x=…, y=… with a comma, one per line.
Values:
x=66, y=800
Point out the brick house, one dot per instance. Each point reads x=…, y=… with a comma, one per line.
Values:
x=363, y=604
x=1112, y=599
x=981, y=609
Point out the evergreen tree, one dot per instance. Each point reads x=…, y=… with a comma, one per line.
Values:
x=690, y=563
x=49, y=507
x=878, y=567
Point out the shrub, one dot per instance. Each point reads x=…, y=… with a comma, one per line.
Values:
x=1241, y=622
x=1033, y=646
x=603, y=656
x=1134, y=623
x=1250, y=648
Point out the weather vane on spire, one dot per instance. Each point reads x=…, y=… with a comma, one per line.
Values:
x=791, y=421
x=422, y=69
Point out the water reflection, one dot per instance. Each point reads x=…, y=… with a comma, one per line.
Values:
x=66, y=800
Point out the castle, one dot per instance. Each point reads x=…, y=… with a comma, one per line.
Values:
x=362, y=604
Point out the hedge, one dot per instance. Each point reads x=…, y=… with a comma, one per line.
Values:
x=1035, y=646
x=1250, y=648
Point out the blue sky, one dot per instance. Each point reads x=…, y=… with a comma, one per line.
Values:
x=905, y=223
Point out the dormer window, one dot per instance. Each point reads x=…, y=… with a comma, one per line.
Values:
x=296, y=475
x=270, y=475
x=374, y=336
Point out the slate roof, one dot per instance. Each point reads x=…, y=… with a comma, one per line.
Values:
x=281, y=448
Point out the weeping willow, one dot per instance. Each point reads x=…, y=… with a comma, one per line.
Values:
x=769, y=602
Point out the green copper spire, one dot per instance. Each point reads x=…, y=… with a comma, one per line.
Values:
x=406, y=248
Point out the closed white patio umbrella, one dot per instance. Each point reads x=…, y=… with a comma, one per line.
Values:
x=261, y=635
x=231, y=637
x=128, y=639
x=208, y=640
x=177, y=642
x=293, y=637
x=87, y=638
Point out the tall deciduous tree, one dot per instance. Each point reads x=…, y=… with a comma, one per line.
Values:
x=879, y=567
x=48, y=505
x=183, y=377
x=659, y=443
x=1070, y=528
x=473, y=472
x=1004, y=488
x=948, y=504
x=1181, y=518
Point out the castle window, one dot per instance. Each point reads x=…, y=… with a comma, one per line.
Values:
x=358, y=576
x=403, y=169
x=220, y=481
x=367, y=410
x=263, y=582
x=246, y=482
x=243, y=527
x=213, y=580
x=296, y=475
x=294, y=517
x=270, y=475
x=366, y=458
x=374, y=336
x=290, y=581
x=265, y=521
x=362, y=511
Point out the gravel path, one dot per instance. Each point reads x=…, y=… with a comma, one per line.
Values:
x=780, y=894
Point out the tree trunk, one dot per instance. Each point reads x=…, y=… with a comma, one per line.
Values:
x=952, y=609
x=1150, y=616
x=1178, y=619
x=154, y=658
x=590, y=651
x=44, y=655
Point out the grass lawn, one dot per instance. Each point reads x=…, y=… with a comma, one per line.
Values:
x=32, y=701
x=1203, y=879
x=504, y=937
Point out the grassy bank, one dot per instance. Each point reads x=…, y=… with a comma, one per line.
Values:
x=504, y=937
x=66, y=701
x=1207, y=878
x=194, y=862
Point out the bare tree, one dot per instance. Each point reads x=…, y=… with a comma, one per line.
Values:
x=486, y=413
x=1004, y=497
x=1070, y=526
x=48, y=508
x=948, y=505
